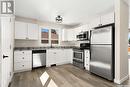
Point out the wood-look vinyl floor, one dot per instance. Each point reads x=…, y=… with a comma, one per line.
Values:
x=59, y=76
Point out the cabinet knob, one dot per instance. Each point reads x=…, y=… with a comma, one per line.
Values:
x=23, y=65
x=23, y=58
x=23, y=52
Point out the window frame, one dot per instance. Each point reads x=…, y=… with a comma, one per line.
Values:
x=49, y=43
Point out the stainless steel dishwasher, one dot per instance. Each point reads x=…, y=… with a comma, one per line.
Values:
x=39, y=58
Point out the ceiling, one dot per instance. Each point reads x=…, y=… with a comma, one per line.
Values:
x=74, y=12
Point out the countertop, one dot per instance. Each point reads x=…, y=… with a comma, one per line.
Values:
x=41, y=48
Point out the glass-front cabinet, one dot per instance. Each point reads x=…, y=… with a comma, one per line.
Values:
x=49, y=36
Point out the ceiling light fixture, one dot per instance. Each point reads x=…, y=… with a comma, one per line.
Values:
x=59, y=19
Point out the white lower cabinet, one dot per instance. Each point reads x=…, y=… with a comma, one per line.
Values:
x=22, y=66
x=22, y=60
x=59, y=56
x=69, y=55
x=87, y=60
x=51, y=57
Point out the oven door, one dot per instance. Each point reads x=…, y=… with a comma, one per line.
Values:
x=78, y=56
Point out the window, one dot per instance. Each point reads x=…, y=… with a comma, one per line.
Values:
x=45, y=36
x=54, y=36
x=49, y=35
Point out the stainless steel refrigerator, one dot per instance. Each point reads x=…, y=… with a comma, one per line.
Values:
x=102, y=51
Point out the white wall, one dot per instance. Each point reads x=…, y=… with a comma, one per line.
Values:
x=121, y=41
x=0, y=54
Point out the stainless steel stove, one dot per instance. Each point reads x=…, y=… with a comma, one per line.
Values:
x=78, y=55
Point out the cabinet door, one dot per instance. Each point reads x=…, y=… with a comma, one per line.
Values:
x=69, y=55
x=107, y=19
x=22, y=56
x=51, y=58
x=60, y=57
x=33, y=31
x=64, y=35
x=70, y=36
x=22, y=66
x=20, y=30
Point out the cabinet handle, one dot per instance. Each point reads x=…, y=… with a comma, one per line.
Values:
x=5, y=56
x=23, y=65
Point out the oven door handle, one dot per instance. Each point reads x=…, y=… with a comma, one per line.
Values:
x=78, y=52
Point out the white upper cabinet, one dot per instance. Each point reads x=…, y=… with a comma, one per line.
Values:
x=64, y=35
x=68, y=35
x=71, y=34
x=20, y=30
x=102, y=20
x=107, y=19
x=33, y=31
x=27, y=31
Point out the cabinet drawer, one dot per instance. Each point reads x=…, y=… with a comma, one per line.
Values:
x=87, y=68
x=87, y=60
x=22, y=66
x=22, y=56
x=22, y=53
x=28, y=58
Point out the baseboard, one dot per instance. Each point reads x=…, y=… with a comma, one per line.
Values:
x=67, y=62
x=11, y=79
x=18, y=71
x=121, y=80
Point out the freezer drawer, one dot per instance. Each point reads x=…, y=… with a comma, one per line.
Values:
x=101, y=62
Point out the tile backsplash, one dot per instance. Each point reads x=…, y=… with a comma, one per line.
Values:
x=32, y=43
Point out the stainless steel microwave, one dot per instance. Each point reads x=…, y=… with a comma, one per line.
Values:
x=83, y=36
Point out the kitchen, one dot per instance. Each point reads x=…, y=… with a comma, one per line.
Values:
x=77, y=39
x=51, y=53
